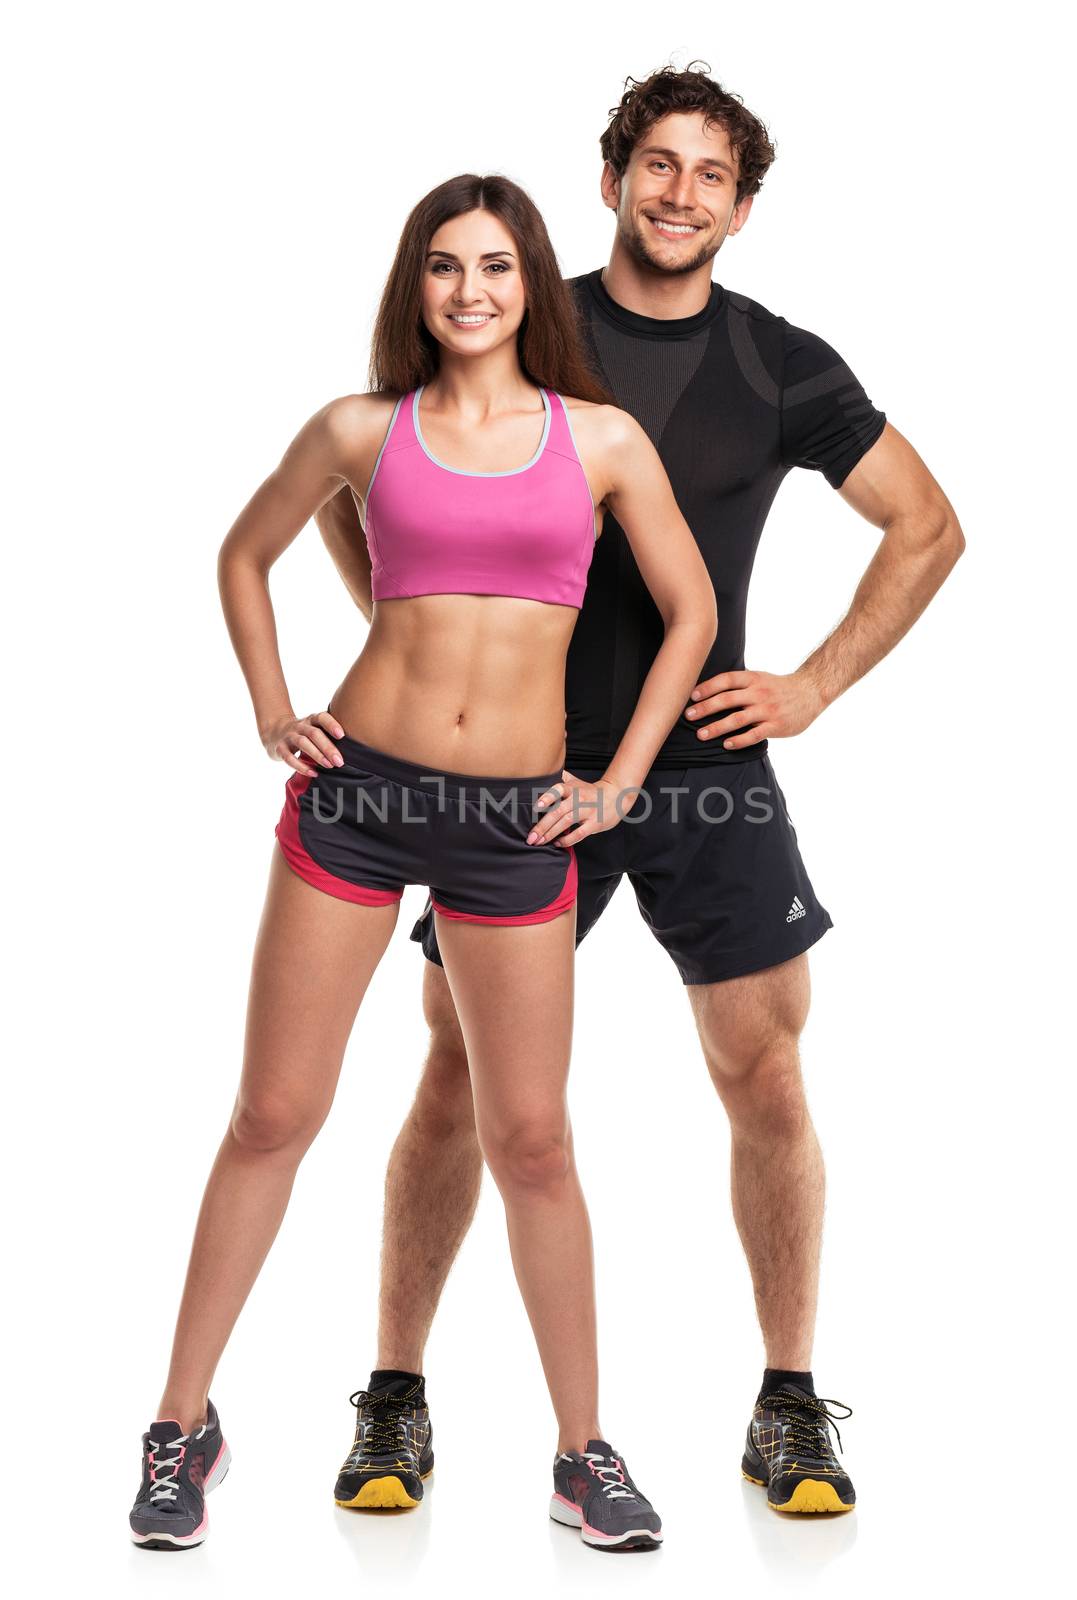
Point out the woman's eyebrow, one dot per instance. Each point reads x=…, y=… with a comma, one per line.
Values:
x=490, y=255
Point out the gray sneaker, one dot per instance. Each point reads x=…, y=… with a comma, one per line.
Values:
x=592, y=1491
x=178, y=1471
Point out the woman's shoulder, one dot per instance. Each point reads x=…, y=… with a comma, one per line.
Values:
x=351, y=418
x=345, y=436
x=605, y=424
x=351, y=430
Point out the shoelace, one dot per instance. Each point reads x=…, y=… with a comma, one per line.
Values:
x=610, y=1475
x=386, y=1412
x=163, y=1473
x=808, y=1421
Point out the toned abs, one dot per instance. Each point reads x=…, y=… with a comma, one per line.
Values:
x=467, y=683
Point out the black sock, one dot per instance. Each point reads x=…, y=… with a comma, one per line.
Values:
x=774, y=1377
x=382, y=1377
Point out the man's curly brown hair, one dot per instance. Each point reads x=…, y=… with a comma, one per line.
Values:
x=647, y=100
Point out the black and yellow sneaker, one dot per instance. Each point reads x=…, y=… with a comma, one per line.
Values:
x=788, y=1452
x=393, y=1448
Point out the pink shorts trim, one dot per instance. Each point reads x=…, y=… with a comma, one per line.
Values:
x=304, y=865
x=564, y=902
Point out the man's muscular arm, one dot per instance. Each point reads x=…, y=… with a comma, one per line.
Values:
x=922, y=540
x=342, y=533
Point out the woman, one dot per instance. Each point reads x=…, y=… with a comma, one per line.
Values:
x=483, y=461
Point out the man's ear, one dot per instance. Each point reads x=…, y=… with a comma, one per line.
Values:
x=610, y=186
x=740, y=215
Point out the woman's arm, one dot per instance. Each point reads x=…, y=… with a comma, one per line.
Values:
x=342, y=534
x=633, y=483
x=671, y=566
x=329, y=451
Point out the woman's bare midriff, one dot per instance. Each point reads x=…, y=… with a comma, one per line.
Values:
x=462, y=683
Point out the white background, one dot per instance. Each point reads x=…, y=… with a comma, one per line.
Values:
x=204, y=202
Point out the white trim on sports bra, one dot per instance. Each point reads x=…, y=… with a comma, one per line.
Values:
x=464, y=472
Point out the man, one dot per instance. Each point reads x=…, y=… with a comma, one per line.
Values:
x=733, y=397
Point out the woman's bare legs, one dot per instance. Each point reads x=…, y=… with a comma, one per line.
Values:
x=313, y=959
x=513, y=993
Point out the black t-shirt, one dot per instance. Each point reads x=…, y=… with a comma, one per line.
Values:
x=732, y=398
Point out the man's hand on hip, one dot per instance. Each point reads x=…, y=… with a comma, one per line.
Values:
x=765, y=705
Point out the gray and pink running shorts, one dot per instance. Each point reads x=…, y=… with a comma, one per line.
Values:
x=364, y=830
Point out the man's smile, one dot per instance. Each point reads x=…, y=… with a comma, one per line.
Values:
x=673, y=230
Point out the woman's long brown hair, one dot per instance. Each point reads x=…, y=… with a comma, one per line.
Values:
x=405, y=354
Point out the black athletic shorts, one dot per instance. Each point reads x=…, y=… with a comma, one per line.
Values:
x=713, y=859
x=363, y=830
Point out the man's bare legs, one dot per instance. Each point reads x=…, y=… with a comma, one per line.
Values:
x=749, y=1028
x=436, y=1157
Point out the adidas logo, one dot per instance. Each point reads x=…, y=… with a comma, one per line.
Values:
x=796, y=910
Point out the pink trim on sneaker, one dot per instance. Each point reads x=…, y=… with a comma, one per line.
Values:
x=175, y=1538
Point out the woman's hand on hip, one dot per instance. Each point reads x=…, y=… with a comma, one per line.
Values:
x=290, y=738
x=575, y=809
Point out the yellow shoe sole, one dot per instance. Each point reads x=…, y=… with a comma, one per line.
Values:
x=809, y=1496
x=382, y=1494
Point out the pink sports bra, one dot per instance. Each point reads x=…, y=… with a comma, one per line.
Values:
x=433, y=529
